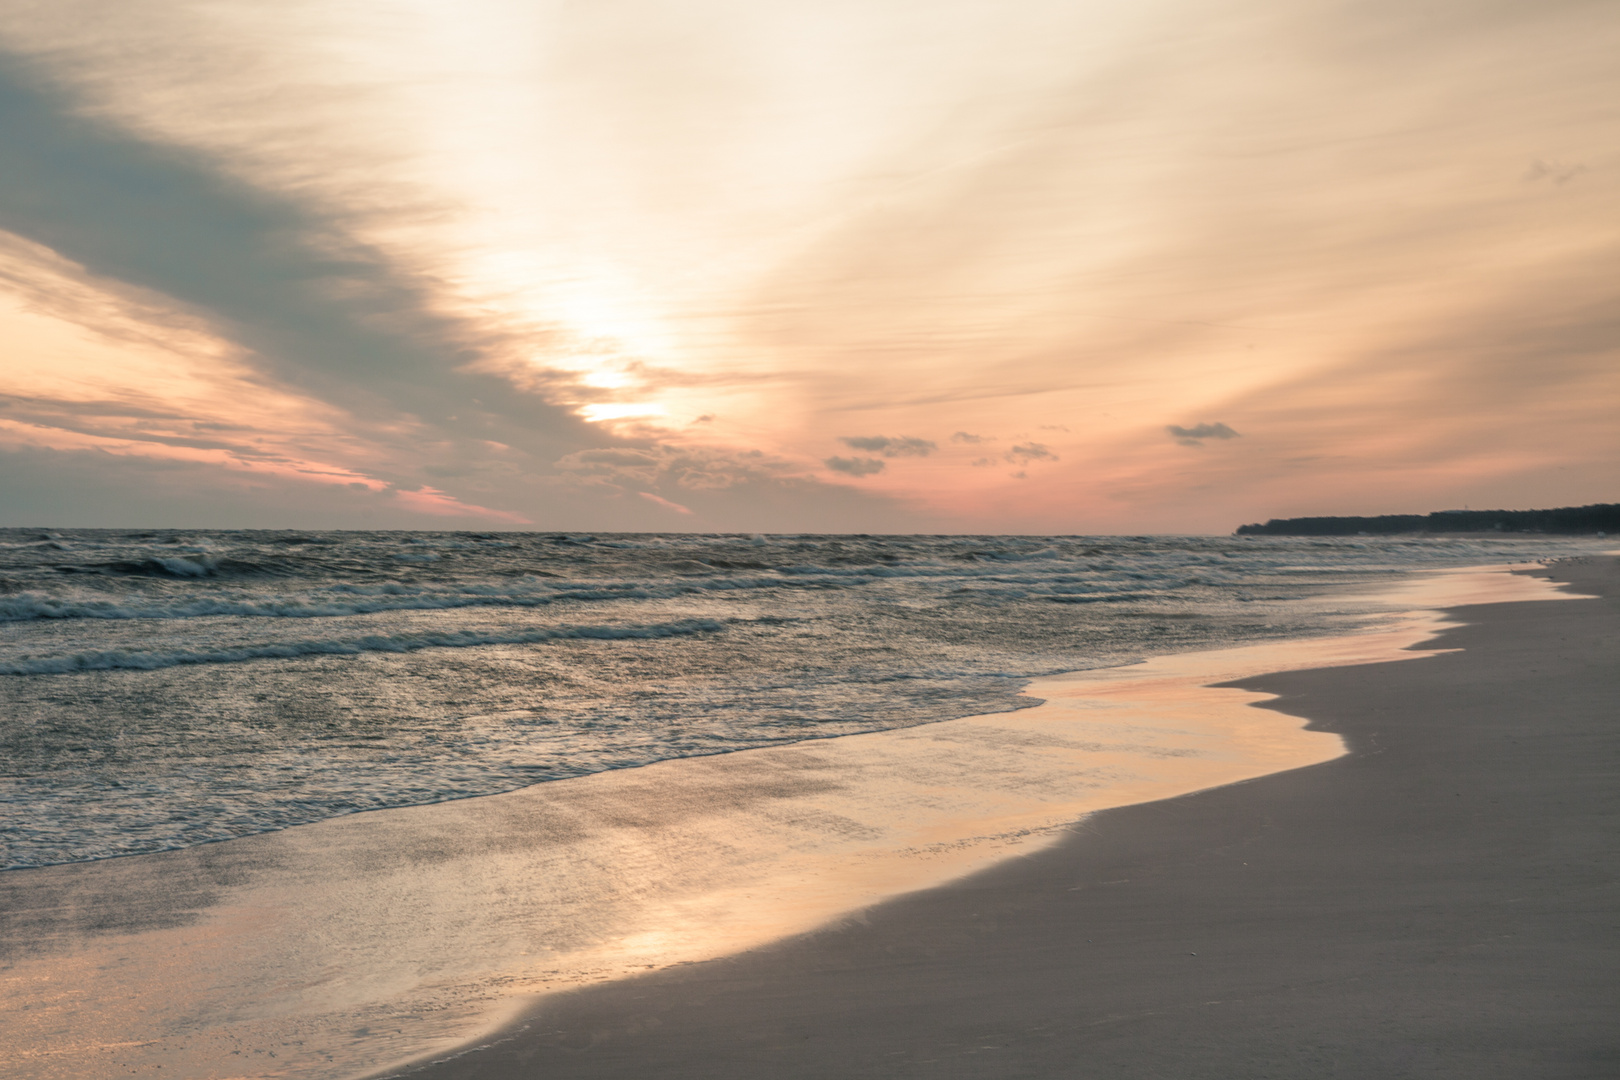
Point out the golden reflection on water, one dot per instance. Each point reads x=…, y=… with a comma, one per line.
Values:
x=336, y=948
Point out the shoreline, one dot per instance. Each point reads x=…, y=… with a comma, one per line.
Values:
x=767, y=844
x=1436, y=902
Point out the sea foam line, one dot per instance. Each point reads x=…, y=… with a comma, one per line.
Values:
x=398, y=643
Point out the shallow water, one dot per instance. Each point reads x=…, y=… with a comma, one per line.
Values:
x=164, y=689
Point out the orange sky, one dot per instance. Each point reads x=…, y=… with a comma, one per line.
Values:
x=958, y=266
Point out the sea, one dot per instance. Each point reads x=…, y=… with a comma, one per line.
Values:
x=170, y=688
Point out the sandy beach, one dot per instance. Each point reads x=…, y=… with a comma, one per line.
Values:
x=1438, y=902
x=1246, y=889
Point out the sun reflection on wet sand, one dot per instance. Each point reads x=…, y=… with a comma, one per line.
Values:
x=333, y=949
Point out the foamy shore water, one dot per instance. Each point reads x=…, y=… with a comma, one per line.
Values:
x=357, y=944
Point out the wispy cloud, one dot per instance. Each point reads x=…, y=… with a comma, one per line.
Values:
x=658, y=500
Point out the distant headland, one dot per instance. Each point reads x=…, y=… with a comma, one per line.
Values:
x=1599, y=518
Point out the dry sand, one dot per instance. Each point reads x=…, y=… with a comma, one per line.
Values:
x=1440, y=902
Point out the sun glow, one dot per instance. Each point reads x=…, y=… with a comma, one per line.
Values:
x=599, y=412
x=605, y=379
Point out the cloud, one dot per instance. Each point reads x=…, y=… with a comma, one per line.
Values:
x=730, y=490
x=860, y=466
x=1025, y=453
x=303, y=305
x=92, y=488
x=688, y=468
x=902, y=446
x=1194, y=436
x=1027, y=261
x=1560, y=172
x=659, y=501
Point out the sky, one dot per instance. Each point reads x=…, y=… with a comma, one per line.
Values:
x=1040, y=266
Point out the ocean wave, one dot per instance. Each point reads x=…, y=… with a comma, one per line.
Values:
x=982, y=583
x=32, y=606
x=350, y=600
x=115, y=659
x=191, y=566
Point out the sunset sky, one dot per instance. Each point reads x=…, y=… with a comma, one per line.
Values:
x=1078, y=266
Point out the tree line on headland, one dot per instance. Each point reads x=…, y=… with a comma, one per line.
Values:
x=1598, y=518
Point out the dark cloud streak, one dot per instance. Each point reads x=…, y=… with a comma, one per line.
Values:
x=1195, y=436
x=319, y=312
x=901, y=446
x=855, y=466
x=1025, y=453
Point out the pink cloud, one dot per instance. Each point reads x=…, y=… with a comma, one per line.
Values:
x=675, y=506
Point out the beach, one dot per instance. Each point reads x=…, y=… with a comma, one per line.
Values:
x=804, y=541
x=1437, y=902
x=1011, y=893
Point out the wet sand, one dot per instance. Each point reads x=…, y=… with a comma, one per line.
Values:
x=1439, y=902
